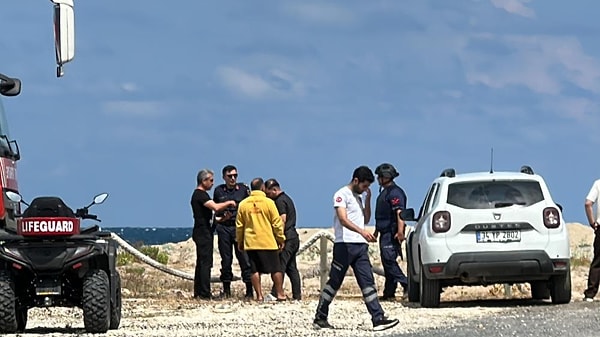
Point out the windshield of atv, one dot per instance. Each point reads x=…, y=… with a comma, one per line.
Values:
x=494, y=194
x=4, y=149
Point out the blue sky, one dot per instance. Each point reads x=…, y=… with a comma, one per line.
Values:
x=304, y=91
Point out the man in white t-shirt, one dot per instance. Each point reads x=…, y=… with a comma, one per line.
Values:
x=594, y=274
x=351, y=249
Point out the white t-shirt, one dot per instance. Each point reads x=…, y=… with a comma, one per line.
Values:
x=593, y=196
x=354, y=209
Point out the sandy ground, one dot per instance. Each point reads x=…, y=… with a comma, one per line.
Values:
x=157, y=304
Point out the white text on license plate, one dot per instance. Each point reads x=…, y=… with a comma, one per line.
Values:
x=499, y=236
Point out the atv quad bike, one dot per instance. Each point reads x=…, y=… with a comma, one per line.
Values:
x=48, y=261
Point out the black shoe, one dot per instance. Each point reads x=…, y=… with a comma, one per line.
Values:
x=387, y=298
x=249, y=291
x=322, y=324
x=384, y=324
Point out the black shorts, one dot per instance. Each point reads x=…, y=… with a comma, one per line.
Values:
x=264, y=261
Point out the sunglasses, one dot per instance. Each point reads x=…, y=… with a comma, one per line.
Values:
x=209, y=179
x=232, y=175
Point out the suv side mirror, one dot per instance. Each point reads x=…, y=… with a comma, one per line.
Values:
x=64, y=33
x=408, y=215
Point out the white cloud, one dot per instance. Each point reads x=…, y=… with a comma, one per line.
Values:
x=129, y=87
x=242, y=82
x=541, y=63
x=320, y=13
x=275, y=83
x=135, y=108
x=515, y=7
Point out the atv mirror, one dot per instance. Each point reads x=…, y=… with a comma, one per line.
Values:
x=100, y=198
x=9, y=86
x=408, y=215
x=12, y=196
x=64, y=33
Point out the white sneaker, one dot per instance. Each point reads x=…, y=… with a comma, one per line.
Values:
x=588, y=299
x=270, y=298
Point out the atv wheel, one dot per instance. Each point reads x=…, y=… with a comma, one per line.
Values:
x=96, y=301
x=8, y=314
x=115, y=306
x=21, y=319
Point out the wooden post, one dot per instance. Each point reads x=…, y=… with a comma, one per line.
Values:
x=324, y=268
x=507, y=290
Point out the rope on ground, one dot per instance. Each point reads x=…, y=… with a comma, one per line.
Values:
x=142, y=257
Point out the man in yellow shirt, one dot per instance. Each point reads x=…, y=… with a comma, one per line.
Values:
x=259, y=232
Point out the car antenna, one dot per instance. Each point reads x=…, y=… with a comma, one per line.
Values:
x=492, y=161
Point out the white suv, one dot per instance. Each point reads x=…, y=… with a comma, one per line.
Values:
x=486, y=228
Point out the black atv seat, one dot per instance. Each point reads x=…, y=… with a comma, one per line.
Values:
x=48, y=207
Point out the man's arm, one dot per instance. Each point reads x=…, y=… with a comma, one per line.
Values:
x=367, y=209
x=343, y=216
x=239, y=230
x=589, y=212
x=217, y=207
x=277, y=224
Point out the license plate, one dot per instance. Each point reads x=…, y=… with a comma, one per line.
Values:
x=499, y=236
x=43, y=291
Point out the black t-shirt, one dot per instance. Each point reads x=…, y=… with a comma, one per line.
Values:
x=202, y=214
x=285, y=205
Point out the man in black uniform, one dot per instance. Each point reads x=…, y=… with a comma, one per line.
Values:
x=225, y=227
x=202, y=209
x=287, y=257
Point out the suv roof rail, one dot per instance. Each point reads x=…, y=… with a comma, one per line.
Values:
x=526, y=169
x=449, y=172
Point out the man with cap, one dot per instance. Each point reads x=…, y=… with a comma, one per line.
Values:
x=390, y=203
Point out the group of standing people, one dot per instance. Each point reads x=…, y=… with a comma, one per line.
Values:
x=259, y=224
x=256, y=223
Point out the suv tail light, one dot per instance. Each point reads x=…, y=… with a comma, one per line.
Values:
x=441, y=222
x=551, y=217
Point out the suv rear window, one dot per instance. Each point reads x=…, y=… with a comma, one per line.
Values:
x=494, y=194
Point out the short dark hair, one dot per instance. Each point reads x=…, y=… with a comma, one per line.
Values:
x=257, y=184
x=271, y=182
x=228, y=168
x=363, y=173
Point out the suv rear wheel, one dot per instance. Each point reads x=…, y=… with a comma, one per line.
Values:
x=560, y=288
x=429, y=290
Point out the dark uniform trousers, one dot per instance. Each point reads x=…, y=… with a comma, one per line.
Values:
x=227, y=245
x=287, y=259
x=390, y=250
x=594, y=274
x=203, y=238
x=355, y=255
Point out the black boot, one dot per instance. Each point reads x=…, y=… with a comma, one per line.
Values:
x=226, y=289
x=249, y=290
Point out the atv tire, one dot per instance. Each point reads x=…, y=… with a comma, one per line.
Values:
x=21, y=319
x=96, y=301
x=8, y=313
x=115, y=306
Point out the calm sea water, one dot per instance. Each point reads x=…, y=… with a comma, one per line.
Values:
x=151, y=236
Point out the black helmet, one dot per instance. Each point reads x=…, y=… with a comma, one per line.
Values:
x=386, y=170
